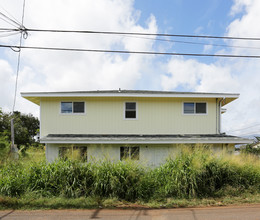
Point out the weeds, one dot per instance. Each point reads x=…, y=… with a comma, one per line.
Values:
x=192, y=174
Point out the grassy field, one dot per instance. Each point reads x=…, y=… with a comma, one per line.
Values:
x=193, y=178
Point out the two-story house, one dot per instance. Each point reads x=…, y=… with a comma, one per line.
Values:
x=144, y=125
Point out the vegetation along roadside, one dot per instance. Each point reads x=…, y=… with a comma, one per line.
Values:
x=194, y=177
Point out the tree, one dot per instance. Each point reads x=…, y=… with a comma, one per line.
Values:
x=251, y=149
x=25, y=127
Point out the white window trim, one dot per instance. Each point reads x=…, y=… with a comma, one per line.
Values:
x=84, y=113
x=194, y=109
x=136, y=111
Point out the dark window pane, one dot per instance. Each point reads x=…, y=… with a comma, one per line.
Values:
x=130, y=105
x=74, y=153
x=64, y=152
x=78, y=107
x=135, y=153
x=66, y=107
x=130, y=110
x=82, y=152
x=124, y=153
x=201, y=108
x=130, y=114
x=188, y=108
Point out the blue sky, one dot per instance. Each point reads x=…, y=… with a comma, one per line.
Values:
x=187, y=16
x=66, y=71
x=199, y=17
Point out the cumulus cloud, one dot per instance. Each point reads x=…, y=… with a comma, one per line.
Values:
x=7, y=84
x=194, y=75
x=66, y=71
x=227, y=75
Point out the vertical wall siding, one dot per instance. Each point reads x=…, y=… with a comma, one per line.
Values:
x=106, y=116
x=150, y=155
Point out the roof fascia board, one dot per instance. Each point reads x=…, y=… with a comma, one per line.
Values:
x=232, y=141
x=167, y=95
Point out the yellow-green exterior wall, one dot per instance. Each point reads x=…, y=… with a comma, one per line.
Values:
x=105, y=115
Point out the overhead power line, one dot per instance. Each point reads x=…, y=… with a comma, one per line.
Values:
x=139, y=33
x=256, y=125
x=13, y=147
x=134, y=35
x=145, y=34
x=11, y=16
x=196, y=43
x=9, y=20
x=13, y=47
x=252, y=133
x=8, y=34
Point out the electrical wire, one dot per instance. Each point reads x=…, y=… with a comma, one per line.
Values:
x=196, y=43
x=160, y=39
x=166, y=40
x=130, y=52
x=142, y=34
x=9, y=29
x=254, y=133
x=16, y=24
x=145, y=34
x=7, y=21
x=8, y=34
x=256, y=125
x=10, y=15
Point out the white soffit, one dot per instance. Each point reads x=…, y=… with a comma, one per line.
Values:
x=35, y=97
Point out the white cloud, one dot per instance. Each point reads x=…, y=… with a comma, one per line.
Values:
x=227, y=75
x=64, y=71
x=182, y=73
x=193, y=75
x=7, y=80
x=240, y=5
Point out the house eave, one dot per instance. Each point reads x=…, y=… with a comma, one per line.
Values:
x=35, y=97
x=146, y=140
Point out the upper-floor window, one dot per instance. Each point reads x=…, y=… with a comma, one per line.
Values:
x=130, y=110
x=72, y=107
x=195, y=108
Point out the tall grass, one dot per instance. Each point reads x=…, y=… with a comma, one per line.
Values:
x=196, y=173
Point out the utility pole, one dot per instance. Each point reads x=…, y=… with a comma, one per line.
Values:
x=14, y=150
x=24, y=34
x=12, y=134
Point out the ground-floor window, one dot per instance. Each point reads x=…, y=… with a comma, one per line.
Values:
x=129, y=153
x=74, y=152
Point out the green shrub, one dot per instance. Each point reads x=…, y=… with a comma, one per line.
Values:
x=200, y=173
x=64, y=177
x=13, y=180
x=121, y=180
x=196, y=173
x=179, y=177
x=4, y=148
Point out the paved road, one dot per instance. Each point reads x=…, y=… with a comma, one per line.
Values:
x=224, y=213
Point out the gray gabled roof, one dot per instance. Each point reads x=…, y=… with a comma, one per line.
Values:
x=143, y=139
x=120, y=91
